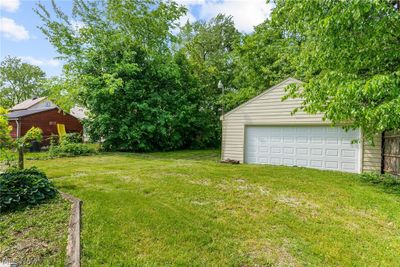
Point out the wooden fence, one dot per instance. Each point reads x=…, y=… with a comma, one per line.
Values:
x=391, y=153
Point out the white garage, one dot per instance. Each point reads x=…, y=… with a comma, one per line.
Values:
x=263, y=131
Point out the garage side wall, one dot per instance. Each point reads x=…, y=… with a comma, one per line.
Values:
x=372, y=155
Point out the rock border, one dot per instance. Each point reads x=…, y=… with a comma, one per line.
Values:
x=74, y=230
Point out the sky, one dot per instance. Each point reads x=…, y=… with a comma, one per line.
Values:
x=20, y=36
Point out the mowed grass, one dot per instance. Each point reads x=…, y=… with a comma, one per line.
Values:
x=186, y=209
x=37, y=235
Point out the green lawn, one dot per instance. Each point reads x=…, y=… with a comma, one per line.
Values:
x=185, y=208
x=36, y=235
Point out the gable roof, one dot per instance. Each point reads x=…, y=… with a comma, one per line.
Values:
x=27, y=103
x=288, y=81
x=22, y=113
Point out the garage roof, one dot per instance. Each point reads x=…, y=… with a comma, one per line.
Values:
x=27, y=103
x=22, y=113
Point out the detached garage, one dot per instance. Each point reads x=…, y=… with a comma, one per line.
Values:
x=263, y=131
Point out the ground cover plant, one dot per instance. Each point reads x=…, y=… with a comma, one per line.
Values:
x=20, y=188
x=389, y=182
x=35, y=236
x=185, y=208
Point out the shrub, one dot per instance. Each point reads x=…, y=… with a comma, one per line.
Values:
x=71, y=149
x=19, y=188
x=389, y=182
x=72, y=138
x=53, y=140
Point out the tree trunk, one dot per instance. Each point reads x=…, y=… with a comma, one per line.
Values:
x=21, y=157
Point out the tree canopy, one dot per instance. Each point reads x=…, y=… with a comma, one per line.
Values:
x=150, y=88
x=5, y=129
x=19, y=81
x=140, y=95
x=349, y=58
x=262, y=60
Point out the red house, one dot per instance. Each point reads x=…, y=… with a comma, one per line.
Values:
x=41, y=113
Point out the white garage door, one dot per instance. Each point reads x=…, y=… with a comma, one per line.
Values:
x=321, y=147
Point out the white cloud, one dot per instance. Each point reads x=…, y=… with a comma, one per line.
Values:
x=40, y=62
x=190, y=2
x=188, y=17
x=12, y=30
x=9, y=5
x=77, y=25
x=246, y=13
x=182, y=21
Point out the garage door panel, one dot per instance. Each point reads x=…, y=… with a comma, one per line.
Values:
x=316, y=163
x=321, y=147
x=289, y=139
x=316, y=151
x=288, y=150
x=331, y=140
x=302, y=151
x=276, y=150
x=348, y=166
x=329, y=164
x=348, y=153
x=288, y=161
x=302, y=162
x=316, y=140
x=276, y=161
x=331, y=152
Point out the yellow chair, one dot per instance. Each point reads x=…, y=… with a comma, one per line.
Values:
x=61, y=130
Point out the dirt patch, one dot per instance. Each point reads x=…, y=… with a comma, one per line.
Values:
x=242, y=186
x=263, y=253
x=199, y=203
x=27, y=250
x=205, y=182
x=79, y=174
x=296, y=201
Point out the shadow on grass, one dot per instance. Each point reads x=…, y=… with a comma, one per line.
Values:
x=197, y=155
x=385, y=182
x=25, y=207
x=68, y=187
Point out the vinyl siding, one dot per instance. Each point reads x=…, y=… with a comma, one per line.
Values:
x=269, y=109
x=372, y=155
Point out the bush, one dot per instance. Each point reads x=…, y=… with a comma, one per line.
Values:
x=19, y=188
x=72, y=138
x=389, y=182
x=71, y=149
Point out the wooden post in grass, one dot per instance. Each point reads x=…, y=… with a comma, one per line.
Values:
x=34, y=134
x=20, y=157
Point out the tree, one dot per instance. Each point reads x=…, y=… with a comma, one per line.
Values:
x=209, y=48
x=139, y=93
x=5, y=130
x=349, y=59
x=34, y=134
x=262, y=60
x=19, y=81
x=63, y=91
x=6, y=142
